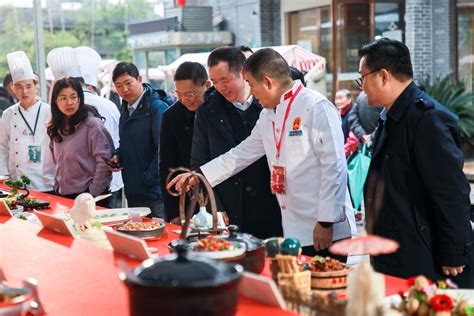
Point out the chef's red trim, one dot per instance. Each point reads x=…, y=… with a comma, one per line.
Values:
x=278, y=143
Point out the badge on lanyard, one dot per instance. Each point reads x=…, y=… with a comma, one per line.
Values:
x=277, y=179
x=34, y=153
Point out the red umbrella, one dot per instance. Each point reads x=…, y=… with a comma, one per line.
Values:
x=364, y=244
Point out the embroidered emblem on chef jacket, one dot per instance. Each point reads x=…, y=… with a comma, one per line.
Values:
x=296, y=131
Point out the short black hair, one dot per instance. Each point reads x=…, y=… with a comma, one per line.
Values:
x=191, y=71
x=7, y=80
x=245, y=49
x=392, y=55
x=125, y=68
x=296, y=74
x=268, y=62
x=231, y=55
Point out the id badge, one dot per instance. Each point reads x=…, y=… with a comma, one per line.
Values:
x=34, y=153
x=277, y=179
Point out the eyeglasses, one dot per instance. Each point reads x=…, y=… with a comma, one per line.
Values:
x=186, y=95
x=360, y=81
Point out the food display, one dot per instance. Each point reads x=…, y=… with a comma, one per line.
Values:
x=320, y=264
x=31, y=203
x=213, y=243
x=136, y=226
x=146, y=229
x=426, y=298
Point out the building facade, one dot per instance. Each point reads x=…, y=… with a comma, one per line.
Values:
x=439, y=34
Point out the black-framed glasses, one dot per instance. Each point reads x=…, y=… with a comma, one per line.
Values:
x=359, y=81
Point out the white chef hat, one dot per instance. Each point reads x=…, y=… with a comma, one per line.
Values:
x=20, y=66
x=63, y=63
x=89, y=63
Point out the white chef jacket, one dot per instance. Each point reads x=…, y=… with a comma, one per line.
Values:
x=15, y=138
x=313, y=154
x=109, y=111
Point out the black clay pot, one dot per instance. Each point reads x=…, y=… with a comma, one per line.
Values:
x=180, y=285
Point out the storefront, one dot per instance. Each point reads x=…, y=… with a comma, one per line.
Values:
x=357, y=22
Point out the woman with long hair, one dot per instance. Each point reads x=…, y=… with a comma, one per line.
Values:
x=80, y=144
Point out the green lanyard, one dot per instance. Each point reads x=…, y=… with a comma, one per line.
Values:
x=33, y=131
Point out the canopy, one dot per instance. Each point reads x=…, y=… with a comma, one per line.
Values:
x=295, y=55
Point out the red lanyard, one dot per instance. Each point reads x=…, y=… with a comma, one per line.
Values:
x=278, y=143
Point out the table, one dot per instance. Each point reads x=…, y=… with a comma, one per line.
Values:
x=78, y=278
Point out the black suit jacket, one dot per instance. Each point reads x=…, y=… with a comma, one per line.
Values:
x=416, y=192
x=175, y=149
x=246, y=197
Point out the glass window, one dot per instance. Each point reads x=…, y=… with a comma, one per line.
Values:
x=466, y=43
x=311, y=29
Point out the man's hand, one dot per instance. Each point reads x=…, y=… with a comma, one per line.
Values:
x=114, y=164
x=178, y=182
x=453, y=270
x=322, y=237
x=367, y=139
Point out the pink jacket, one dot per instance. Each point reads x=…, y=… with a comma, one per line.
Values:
x=78, y=158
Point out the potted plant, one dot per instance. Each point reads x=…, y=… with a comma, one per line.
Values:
x=458, y=100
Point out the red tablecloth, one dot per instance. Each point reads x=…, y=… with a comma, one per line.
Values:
x=78, y=278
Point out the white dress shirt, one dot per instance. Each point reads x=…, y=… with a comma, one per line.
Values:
x=313, y=154
x=109, y=111
x=15, y=140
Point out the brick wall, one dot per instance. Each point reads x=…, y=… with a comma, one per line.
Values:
x=429, y=36
x=270, y=22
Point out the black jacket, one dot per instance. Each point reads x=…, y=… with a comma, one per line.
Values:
x=246, y=197
x=175, y=149
x=416, y=192
x=140, y=144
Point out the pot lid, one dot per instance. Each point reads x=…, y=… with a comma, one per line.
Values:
x=181, y=270
x=250, y=241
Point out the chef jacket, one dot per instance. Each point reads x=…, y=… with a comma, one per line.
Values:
x=109, y=111
x=312, y=151
x=21, y=153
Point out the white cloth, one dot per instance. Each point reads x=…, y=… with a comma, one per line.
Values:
x=15, y=137
x=316, y=171
x=244, y=106
x=134, y=106
x=109, y=111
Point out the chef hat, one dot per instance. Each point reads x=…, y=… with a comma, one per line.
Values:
x=89, y=63
x=63, y=63
x=20, y=66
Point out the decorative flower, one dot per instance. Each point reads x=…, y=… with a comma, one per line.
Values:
x=430, y=290
x=451, y=284
x=442, y=303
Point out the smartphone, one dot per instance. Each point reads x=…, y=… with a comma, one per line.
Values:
x=110, y=163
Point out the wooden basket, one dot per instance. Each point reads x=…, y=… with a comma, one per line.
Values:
x=331, y=280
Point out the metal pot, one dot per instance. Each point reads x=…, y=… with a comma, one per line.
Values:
x=254, y=260
x=180, y=285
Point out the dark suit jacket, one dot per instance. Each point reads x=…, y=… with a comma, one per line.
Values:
x=416, y=192
x=246, y=197
x=175, y=149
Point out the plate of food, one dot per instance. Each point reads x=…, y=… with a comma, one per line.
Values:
x=32, y=203
x=217, y=248
x=145, y=230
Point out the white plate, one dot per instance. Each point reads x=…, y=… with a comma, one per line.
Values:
x=115, y=216
x=29, y=217
x=4, y=178
x=223, y=254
